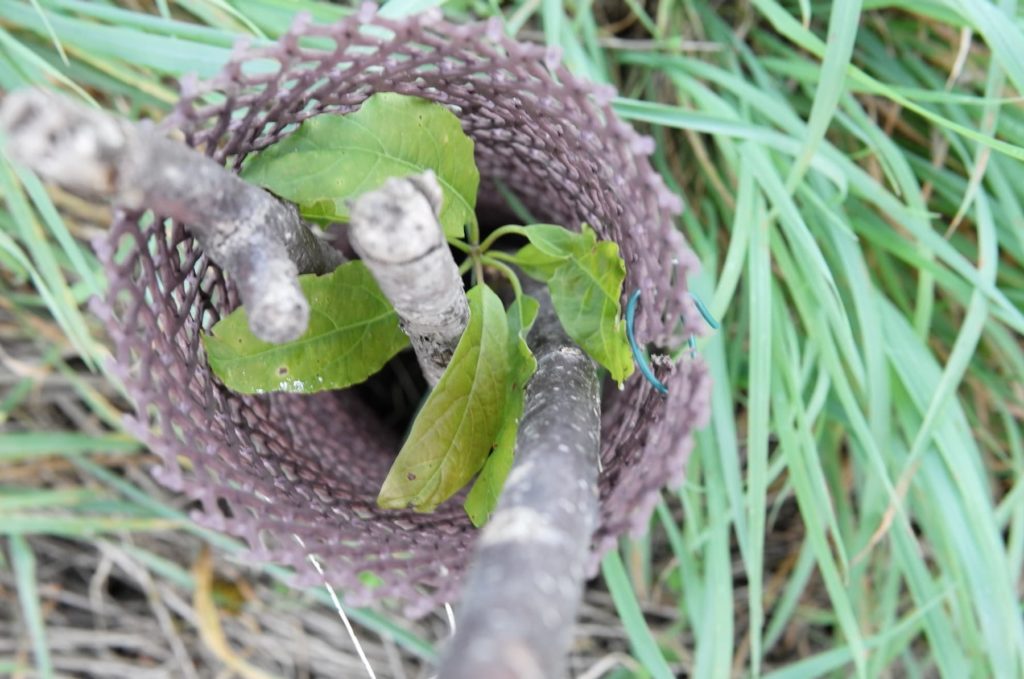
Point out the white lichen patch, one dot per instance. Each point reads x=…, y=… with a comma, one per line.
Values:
x=520, y=524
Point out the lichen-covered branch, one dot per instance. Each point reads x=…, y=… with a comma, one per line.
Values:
x=525, y=582
x=396, y=232
x=257, y=239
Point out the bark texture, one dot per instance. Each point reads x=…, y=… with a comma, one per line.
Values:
x=257, y=239
x=396, y=232
x=526, y=578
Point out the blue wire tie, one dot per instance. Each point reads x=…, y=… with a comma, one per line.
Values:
x=638, y=355
x=708, y=318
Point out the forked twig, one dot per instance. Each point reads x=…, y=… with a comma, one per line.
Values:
x=257, y=239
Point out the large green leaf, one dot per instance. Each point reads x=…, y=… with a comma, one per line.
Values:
x=353, y=331
x=538, y=264
x=332, y=159
x=585, y=279
x=459, y=423
x=483, y=496
x=555, y=241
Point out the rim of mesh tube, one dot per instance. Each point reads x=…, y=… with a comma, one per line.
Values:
x=292, y=475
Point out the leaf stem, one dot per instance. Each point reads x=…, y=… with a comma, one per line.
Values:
x=499, y=232
x=507, y=271
x=473, y=235
x=503, y=256
x=478, y=266
x=472, y=257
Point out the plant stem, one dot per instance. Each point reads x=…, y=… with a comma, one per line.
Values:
x=513, y=279
x=499, y=232
x=478, y=268
x=503, y=256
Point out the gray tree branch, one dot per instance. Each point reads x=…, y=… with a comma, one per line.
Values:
x=257, y=239
x=395, y=230
x=526, y=578
x=525, y=581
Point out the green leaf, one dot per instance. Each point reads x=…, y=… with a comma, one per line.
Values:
x=585, y=279
x=353, y=331
x=550, y=246
x=538, y=264
x=459, y=423
x=556, y=241
x=483, y=497
x=332, y=159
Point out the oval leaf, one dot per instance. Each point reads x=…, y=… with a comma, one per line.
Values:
x=459, y=423
x=556, y=241
x=483, y=496
x=332, y=159
x=585, y=278
x=538, y=264
x=353, y=331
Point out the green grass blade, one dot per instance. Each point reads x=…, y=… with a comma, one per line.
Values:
x=760, y=385
x=64, y=306
x=12, y=500
x=714, y=653
x=220, y=13
x=807, y=250
x=833, y=660
x=842, y=33
x=24, y=562
x=41, y=70
x=395, y=9
x=49, y=30
x=1002, y=32
x=74, y=526
x=87, y=271
x=161, y=53
x=24, y=445
x=644, y=645
x=791, y=29
x=966, y=342
x=959, y=503
x=786, y=606
x=803, y=467
x=159, y=25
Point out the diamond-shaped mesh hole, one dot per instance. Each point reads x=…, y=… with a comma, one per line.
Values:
x=305, y=470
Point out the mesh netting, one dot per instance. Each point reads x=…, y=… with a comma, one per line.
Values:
x=294, y=474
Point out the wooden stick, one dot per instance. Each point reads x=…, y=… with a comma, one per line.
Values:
x=257, y=239
x=395, y=230
x=526, y=579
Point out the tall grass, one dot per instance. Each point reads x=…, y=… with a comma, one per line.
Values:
x=853, y=177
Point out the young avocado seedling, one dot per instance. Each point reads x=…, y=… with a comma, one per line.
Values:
x=335, y=170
